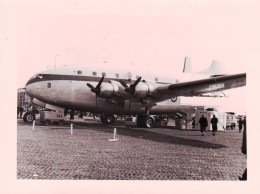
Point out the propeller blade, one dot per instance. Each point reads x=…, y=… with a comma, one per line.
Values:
x=100, y=82
x=96, y=89
x=136, y=82
x=90, y=86
x=123, y=84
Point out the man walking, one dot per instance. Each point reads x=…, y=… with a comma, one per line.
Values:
x=203, y=124
x=214, y=122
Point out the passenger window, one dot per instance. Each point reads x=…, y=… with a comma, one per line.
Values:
x=103, y=74
x=156, y=79
x=94, y=73
x=117, y=75
x=79, y=72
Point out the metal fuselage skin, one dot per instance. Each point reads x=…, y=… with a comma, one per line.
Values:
x=65, y=87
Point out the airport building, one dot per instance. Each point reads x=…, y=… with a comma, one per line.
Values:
x=22, y=98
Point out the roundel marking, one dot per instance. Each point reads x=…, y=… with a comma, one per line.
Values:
x=174, y=99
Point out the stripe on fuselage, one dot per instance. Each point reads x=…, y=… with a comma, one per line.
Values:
x=50, y=77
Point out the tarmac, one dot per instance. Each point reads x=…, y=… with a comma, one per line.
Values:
x=165, y=153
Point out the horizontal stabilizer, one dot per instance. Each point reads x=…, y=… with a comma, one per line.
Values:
x=216, y=69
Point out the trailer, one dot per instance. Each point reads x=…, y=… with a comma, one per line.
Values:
x=48, y=117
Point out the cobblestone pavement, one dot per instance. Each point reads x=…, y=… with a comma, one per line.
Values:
x=51, y=152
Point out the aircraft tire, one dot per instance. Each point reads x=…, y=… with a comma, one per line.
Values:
x=28, y=117
x=110, y=119
x=149, y=122
x=145, y=121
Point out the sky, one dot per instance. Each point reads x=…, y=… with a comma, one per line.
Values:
x=150, y=37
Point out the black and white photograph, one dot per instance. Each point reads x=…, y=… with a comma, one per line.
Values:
x=128, y=96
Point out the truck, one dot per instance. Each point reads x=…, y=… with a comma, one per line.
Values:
x=231, y=120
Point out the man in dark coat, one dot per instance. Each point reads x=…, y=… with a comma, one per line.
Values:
x=244, y=150
x=240, y=124
x=203, y=124
x=214, y=122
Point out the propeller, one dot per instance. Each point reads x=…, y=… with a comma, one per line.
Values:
x=96, y=89
x=131, y=88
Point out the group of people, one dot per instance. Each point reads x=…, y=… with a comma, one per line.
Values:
x=20, y=111
x=204, y=123
x=214, y=122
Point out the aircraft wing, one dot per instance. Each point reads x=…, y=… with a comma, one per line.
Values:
x=198, y=87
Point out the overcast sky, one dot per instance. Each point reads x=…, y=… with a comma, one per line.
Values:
x=145, y=36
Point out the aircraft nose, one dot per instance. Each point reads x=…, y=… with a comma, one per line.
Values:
x=28, y=89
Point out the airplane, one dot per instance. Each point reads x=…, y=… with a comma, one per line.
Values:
x=110, y=93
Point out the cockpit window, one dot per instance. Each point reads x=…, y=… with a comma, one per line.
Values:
x=39, y=77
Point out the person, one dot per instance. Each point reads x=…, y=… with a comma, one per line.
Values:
x=244, y=150
x=240, y=124
x=21, y=111
x=214, y=122
x=193, y=122
x=18, y=110
x=71, y=115
x=81, y=115
x=203, y=124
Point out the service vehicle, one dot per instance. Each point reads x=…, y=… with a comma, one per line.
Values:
x=48, y=117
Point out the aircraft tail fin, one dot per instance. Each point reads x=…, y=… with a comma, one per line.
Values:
x=187, y=67
x=216, y=69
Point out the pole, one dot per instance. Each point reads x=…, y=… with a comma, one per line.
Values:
x=114, y=133
x=33, y=125
x=71, y=128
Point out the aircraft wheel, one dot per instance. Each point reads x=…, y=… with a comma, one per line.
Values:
x=110, y=119
x=149, y=122
x=29, y=117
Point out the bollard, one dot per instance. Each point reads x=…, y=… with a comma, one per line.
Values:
x=114, y=133
x=33, y=125
x=114, y=139
x=71, y=128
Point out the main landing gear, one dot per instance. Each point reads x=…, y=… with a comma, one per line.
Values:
x=29, y=117
x=107, y=119
x=150, y=121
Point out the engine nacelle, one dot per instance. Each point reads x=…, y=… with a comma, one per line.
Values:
x=144, y=89
x=111, y=89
